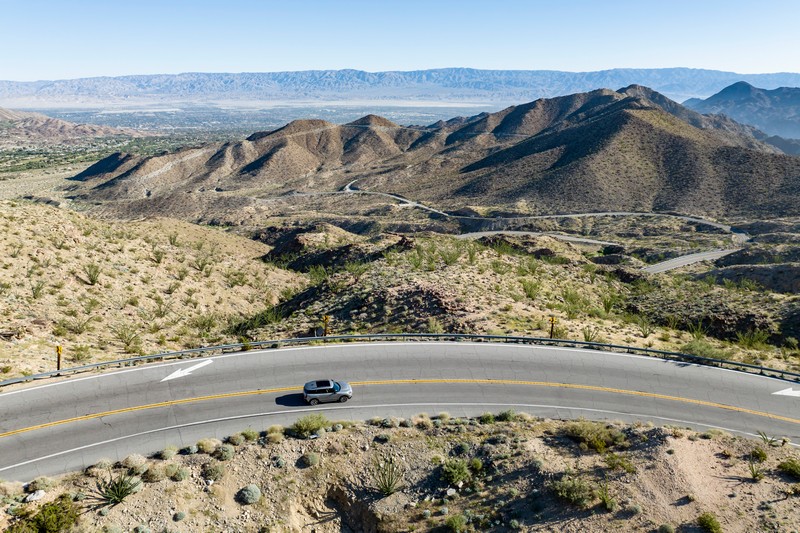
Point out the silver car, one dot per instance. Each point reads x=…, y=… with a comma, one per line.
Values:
x=327, y=390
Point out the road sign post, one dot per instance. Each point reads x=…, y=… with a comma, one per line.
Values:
x=552, y=321
x=59, y=350
x=326, y=320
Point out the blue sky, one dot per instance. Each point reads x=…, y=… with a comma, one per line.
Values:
x=77, y=38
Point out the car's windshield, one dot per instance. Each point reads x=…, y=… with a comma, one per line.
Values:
x=336, y=387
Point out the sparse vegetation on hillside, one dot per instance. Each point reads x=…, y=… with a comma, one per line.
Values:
x=92, y=286
x=518, y=473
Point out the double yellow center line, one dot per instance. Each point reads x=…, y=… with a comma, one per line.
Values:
x=242, y=394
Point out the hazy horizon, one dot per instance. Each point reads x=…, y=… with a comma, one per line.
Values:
x=397, y=70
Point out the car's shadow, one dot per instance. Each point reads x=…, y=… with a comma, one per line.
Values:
x=291, y=400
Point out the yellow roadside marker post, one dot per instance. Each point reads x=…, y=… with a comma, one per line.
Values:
x=59, y=350
x=552, y=321
x=326, y=319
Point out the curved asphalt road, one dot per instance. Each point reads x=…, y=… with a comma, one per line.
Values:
x=66, y=425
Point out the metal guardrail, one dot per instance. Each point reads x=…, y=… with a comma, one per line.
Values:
x=277, y=343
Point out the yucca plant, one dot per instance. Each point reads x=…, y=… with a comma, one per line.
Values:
x=116, y=489
x=388, y=475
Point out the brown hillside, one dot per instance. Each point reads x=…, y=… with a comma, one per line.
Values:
x=604, y=150
x=23, y=127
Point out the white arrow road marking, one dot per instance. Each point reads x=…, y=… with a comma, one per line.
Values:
x=788, y=392
x=186, y=371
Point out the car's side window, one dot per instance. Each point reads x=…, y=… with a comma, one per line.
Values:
x=336, y=387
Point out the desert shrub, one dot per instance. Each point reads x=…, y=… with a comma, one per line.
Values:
x=250, y=435
x=755, y=339
x=249, y=495
x=141, y=529
x=310, y=459
x=41, y=483
x=135, y=463
x=455, y=471
x=507, y=416
x=213, y=471
x=790, y=467
x=456, y=523
x=177, y=517
x=307, y=425
x=666, y=528
x=54, y=517
x=92, y=271
x=476, y=465
x=486, y=418
x=388, y=423
x=190, y=450
x=275, y=428
x=168, y=453
x=208, y=446
x=236, y=440
x=619, y=462
x=703, y=348
x=756, y=472
x=434, y=325
x=462, y=448
x=155, y=472
x=606, y=499
x=708, y=522
x=573, y=490
x=225, y=452
x=338, y=427
x=176, y=472
x=594, y=435
x=405, y=423
x=387, y=475
x=128, y=335
x=279, y=462
x=274, y=438
x=424, y=424
x=443, y=416
x=116, y=489
x=758, y=455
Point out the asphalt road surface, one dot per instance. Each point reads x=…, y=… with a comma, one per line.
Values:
x=61, y=426
x=686, y=260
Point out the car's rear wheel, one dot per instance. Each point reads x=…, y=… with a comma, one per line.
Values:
x=313, y=401
x=344, y=399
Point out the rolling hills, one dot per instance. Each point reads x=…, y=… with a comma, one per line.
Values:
x=776, y=112
x=18, y=128
x=631, y=149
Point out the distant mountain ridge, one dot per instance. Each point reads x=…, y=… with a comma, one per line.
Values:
x=604, y=150
x=23, y=128
x=775, y=111
x=446, y=84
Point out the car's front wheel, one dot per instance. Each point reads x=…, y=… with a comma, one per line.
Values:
x=313, y=401
x=344, y=399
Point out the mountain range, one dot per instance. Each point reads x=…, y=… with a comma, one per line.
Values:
x=776, y=111
x=446, y=84
x=627, y=150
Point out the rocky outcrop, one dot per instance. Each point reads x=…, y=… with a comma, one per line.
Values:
x=783, y=278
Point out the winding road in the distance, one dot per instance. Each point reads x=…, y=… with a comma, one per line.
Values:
x=65, y=425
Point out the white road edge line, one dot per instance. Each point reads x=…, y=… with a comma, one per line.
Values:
x=353, y=407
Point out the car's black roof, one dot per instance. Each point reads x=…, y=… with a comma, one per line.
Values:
x=319, y=384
